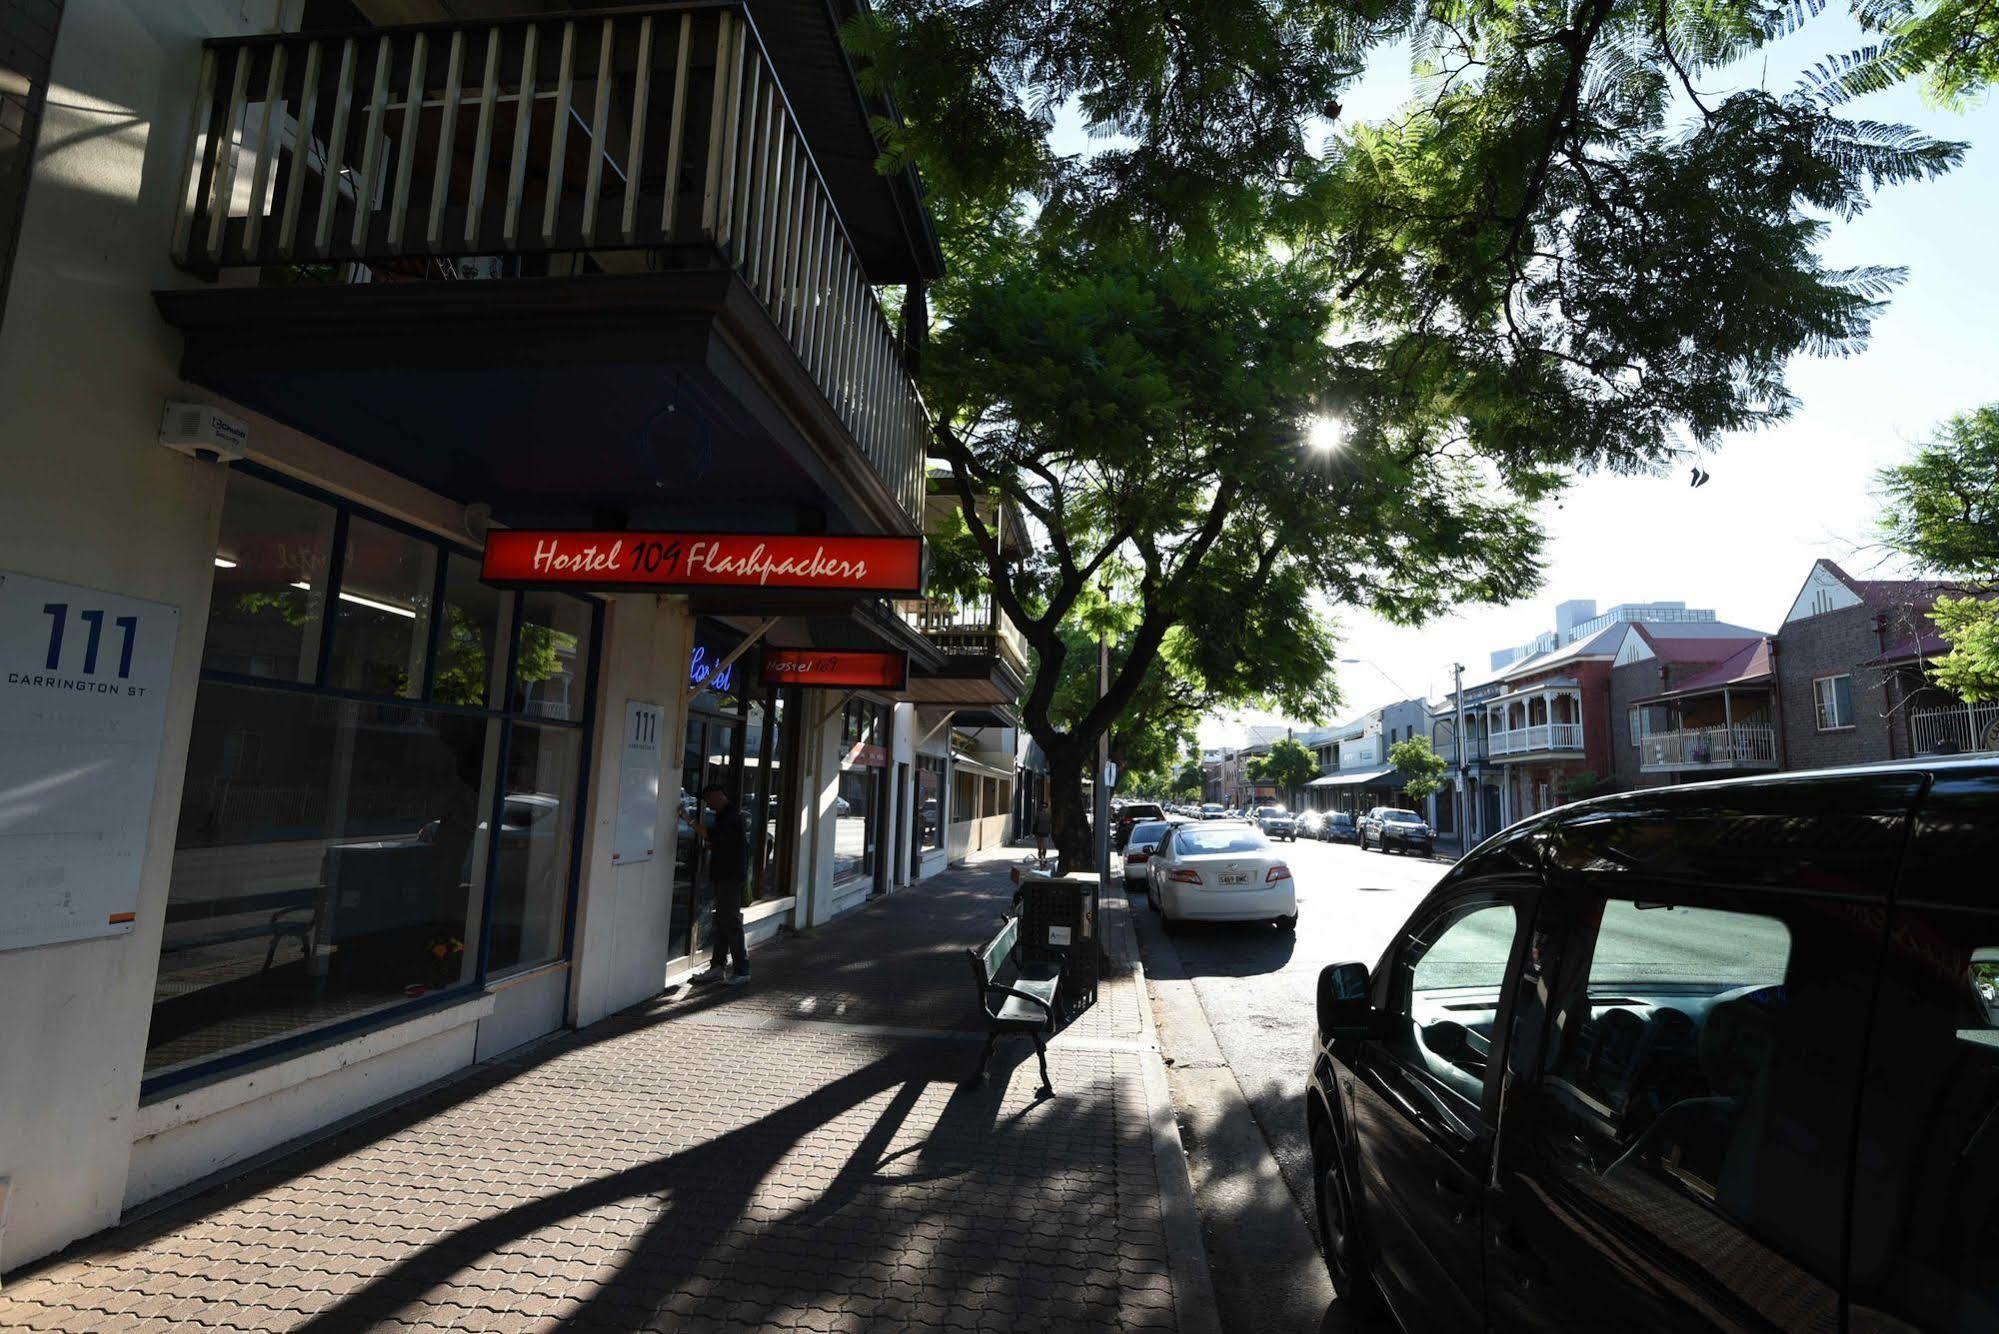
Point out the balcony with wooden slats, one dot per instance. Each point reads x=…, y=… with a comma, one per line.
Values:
x=600, y=235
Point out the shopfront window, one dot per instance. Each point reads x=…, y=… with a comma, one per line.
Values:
x=272, y=562
x=767, y=797
x=470, y=639
x=858, y=806
x=708, y=756
x=381, y=617
x=342, y=848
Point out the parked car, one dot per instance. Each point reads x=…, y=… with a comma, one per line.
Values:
x=1392, y=828
x=1693, y=1057
x=1134, y=813
x=1276, y=822
x=1221, y=871
x=1142, y=842
x=1339, y=828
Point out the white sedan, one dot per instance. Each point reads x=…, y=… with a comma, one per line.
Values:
x=1138, y=850
x=1221, y=871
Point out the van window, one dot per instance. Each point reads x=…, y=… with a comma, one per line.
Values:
x=1926, y=1207
x=1699, y=1074
x=1450, y=976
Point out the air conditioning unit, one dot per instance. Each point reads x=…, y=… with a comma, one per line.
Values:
x=201, y=432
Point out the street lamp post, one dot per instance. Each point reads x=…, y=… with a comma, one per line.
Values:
x=1458, y=740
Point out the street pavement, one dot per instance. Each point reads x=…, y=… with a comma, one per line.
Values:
x=1258, y=985
x=804, y=1153
x=1236, y=1012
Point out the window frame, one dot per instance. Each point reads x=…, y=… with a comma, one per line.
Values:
x=481, y=975
x=1392, y=989
x=1818, y=702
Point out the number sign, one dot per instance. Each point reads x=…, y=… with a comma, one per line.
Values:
x=637, y=834
x=83, y=696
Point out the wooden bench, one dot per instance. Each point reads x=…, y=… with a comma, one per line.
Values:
x=1027, y=1005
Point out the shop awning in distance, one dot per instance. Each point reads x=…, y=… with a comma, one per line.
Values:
x=1358, y=776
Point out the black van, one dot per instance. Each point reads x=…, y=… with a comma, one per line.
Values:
x=1715, y=1056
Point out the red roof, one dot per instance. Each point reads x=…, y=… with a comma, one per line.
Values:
x=1748, y=665
x=1696, y=650
x=1885, y=594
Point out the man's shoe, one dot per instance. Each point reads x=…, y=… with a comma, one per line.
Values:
x=736, y=980
x=708, y=978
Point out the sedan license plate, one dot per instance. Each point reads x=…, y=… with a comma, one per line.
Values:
x=1235, y=878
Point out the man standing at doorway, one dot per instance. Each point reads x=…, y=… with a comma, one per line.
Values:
x=1044, y=821
x=728, y=845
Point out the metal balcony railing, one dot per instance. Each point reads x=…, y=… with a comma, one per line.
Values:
x=967, y=627
x=658, y=128
x=1709, y=748
x=1955, y=729
x=1531, y=740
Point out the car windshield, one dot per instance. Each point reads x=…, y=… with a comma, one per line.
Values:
x=1401, y=817
x=1340, y=817
x=1270, y=810
x=1149, y=832
x=1228, y=838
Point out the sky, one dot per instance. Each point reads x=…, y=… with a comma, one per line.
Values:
x=1779, y=498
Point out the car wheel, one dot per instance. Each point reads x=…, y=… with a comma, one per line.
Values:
x=1168, y=922
x=1339, y=1224
x=1289, y=924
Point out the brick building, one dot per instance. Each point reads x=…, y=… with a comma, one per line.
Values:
x=1686, y=707
x=1850, y=678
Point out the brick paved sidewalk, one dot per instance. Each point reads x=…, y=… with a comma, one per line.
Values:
x=799, y=1154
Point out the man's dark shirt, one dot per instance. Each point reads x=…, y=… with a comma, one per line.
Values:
x=728, y=845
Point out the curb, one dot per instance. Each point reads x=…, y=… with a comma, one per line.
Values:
x=1194, y=1304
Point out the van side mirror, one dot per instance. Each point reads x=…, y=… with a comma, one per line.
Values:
x=1344, y=1008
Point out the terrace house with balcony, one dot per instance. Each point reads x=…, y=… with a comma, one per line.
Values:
x=1550, y=724
x=1852, y=679
x=1692, y=706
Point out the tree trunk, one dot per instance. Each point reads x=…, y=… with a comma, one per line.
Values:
x=1074, y=846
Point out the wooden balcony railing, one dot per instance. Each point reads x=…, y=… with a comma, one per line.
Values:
x=1531, y=740
x=658, y=128
x=1709, y=748
x=967, y=627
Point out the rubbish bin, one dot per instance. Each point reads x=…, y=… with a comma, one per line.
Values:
x=1058, y=923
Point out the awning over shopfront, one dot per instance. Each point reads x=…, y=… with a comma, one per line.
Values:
x=1357, y=777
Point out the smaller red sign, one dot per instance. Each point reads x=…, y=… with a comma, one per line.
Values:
x=867, y=757
x=851, y=671
x=774, y=561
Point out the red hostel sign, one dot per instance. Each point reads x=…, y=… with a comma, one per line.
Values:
x=783, y=562
x=852, y=671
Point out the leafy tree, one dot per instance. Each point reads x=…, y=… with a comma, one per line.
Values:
x=1540, y=265
x=1189, y=784
x=1421, y=767
x=1289, y=766
x=1941, y=509
x=1950, y=46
